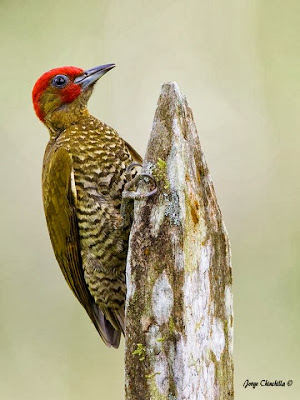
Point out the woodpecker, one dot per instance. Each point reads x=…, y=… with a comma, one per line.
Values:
x=84, y=175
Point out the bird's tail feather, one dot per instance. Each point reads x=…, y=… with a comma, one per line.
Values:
x=109, y=334
x=116, y=318
x=120, y=316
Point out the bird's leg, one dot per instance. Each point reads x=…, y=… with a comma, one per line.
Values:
x=129, y=195
x=134, y=194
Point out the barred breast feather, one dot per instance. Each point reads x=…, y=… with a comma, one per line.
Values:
x=85, y=172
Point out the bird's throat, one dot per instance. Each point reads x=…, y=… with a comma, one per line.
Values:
x=63, y=117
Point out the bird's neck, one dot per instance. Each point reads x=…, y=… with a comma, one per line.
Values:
x=64, y=117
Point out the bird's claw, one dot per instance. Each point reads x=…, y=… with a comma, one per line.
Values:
x=133, y=194
x=130, y=168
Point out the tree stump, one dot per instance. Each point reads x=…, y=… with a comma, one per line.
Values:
x=179, y=316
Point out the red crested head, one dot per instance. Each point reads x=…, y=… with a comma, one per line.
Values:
x=55, y=87
x=55, y=92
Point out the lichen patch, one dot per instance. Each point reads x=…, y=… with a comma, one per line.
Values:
x=162, y=299
x=217, y=338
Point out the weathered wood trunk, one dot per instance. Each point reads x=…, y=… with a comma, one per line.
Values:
x=179, y=318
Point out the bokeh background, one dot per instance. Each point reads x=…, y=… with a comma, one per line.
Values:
x=237, y=61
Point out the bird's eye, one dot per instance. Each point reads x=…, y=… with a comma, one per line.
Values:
x=60, y=81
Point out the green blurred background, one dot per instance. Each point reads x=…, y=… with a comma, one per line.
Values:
x=237, y=61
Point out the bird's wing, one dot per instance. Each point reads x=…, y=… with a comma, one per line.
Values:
x=134, y=154
x=59, y=195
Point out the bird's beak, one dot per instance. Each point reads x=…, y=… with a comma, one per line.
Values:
x=90, y=76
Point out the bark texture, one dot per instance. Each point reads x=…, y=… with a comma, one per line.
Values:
x=179, y=317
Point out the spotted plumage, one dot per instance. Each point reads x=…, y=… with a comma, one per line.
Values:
x=84, y=175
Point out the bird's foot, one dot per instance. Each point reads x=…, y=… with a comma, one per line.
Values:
x=128, y=193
